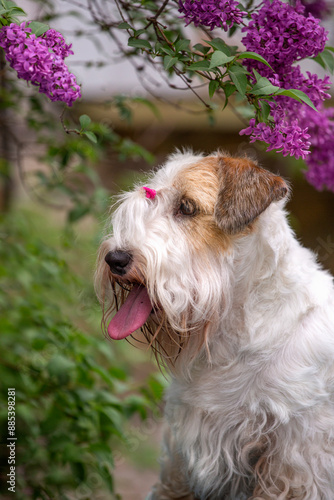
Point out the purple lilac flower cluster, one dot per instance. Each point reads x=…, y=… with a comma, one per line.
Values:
x=211, y=13
x=290, y=132
x=320, y=162
x=286, y=137
x=283, y=35
x=317, y=8
x=40, y=60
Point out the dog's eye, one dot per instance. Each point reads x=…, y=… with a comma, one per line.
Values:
x=187, y=207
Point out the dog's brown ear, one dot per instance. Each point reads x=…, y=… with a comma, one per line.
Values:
x=246, y=190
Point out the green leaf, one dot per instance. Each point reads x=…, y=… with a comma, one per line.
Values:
x=11, y=9
x=164, y=48
x=114, y=416
x=182, y=45
x=239, y=78
x=265, y=109
x=137, y=33
x=199, y=66
x=257, y=75
x=219, y=44
x=124, y=26
x=229, y=89
x=254, y=55
x=136, y=403
x=319, y=60
x=298, y=95
x=264, y=87
x=38, y=28
x=85, y=121
x=10, y=13
x=138, y=43
x=102, y=451
x=326, y=60
x=213, y=86
x=91, y=136
x=328, y=57
x=157, y=385
x=199, y=47
x=104, y=374
x=219, y=59
x=169, y=62
x=8, y=4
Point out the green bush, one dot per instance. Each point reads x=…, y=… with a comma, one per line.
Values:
x=71, y=390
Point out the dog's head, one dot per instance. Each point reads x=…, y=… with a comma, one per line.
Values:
x=168, y=265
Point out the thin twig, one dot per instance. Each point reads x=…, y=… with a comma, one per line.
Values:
x=122, y=16
x=67, y=130
x=153, y=19
x=178, y=72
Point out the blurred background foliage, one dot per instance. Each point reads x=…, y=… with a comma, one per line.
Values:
x=80, y=401
x=74, y=391
x=85, y=405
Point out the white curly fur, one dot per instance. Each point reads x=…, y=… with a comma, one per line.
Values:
x=250, y=411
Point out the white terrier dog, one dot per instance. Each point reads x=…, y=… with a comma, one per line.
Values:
x=203, y=260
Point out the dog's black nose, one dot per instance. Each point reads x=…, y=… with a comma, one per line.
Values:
x=118, y=261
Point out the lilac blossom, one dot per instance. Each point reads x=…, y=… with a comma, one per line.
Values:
x=320, y=162
x=317, y=8
x=287, y=138
x=211, y=13
x=283, y=35
x=40, y=60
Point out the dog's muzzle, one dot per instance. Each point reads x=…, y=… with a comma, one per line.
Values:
x=136, y=308
x=119, y=262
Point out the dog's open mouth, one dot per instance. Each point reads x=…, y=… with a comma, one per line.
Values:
x=132, y=314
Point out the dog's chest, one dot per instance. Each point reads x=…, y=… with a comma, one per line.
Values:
x=210, y=424
x=219, y=393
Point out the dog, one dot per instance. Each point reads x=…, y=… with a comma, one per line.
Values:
x=203, y=261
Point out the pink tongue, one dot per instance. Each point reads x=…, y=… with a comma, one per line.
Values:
x=132, y=315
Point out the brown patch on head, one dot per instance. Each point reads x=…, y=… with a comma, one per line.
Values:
x=199, y=185
x=200, y=182
x=246, y=190
x=228, y=195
